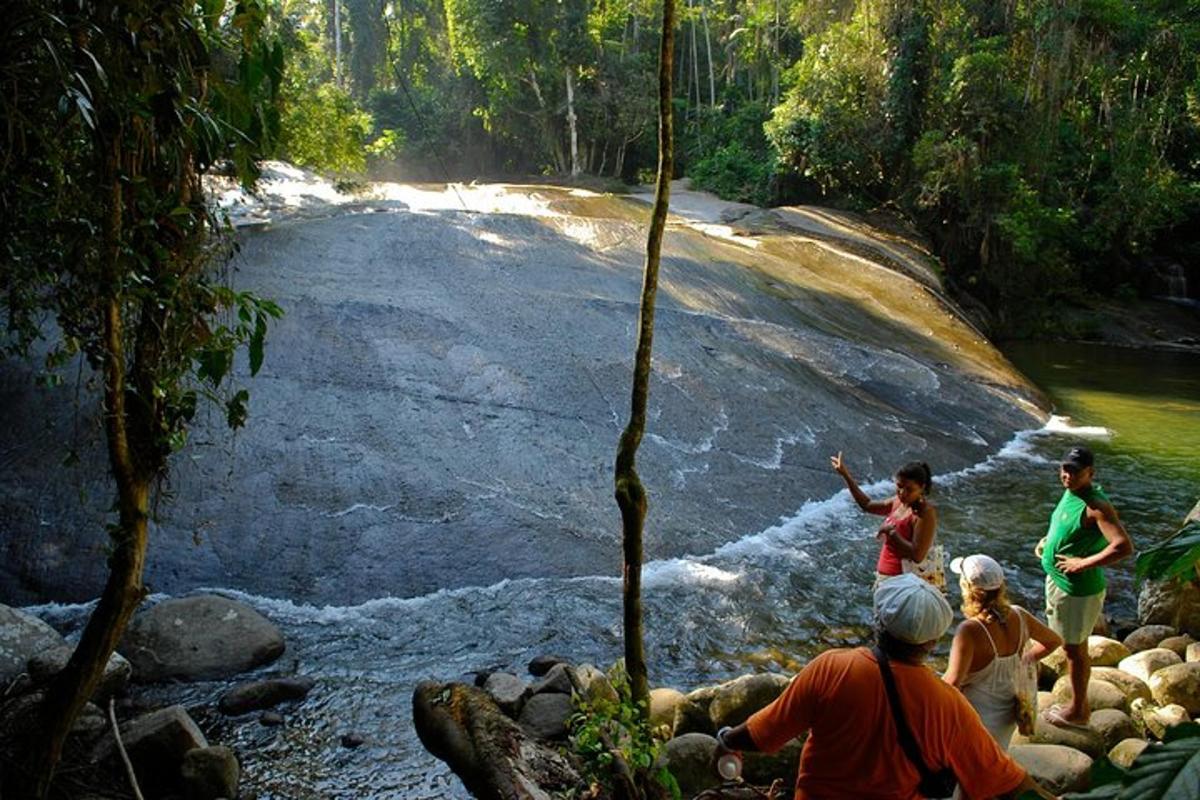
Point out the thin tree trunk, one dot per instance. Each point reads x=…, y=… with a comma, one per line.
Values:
x=712, y=81
x=571, y=124
x=775, y=61
x=628, y=489
x=695, y=60
x=123, y=592
x=550, y=139
x=337, y=42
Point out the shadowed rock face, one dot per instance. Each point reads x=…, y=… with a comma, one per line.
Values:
x=441, y=403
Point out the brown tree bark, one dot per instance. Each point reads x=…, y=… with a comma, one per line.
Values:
x=630, y=494
x=123, y=592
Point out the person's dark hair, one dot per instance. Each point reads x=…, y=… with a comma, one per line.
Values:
x=898, y=649
x=918, y=472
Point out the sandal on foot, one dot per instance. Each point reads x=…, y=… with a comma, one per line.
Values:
x=1056, y=715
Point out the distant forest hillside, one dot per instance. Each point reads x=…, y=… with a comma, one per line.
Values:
x=1046, y=148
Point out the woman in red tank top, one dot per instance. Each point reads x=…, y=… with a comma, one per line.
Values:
x=910, y=521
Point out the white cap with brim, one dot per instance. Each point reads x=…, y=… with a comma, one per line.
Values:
x=911, y=609
x=980, y=571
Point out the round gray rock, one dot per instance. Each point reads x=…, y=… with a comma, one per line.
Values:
x=507, y=690
x=22, y=636
x=1148, y=636
x=1112, y=725
x=689, y=760
x=1060, y=769
x=545, y=715
x=210, y=773
x=199, y=638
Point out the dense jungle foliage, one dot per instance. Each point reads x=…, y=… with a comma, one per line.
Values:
x=1047, y=148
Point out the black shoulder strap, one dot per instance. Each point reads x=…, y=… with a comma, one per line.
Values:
x=903, y=732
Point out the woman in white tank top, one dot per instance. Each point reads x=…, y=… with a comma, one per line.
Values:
x=989, y=645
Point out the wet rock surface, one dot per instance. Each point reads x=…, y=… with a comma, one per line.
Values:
x=449, y=378
x=200, y=637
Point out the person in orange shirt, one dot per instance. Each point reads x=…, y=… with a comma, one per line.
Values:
x=853, y=749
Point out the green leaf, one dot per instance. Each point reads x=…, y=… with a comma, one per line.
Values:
x=1172, y=558
x=214, y=363
x=235, y=409
x=256, y=343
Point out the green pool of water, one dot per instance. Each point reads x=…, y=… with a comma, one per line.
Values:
x=1148, y=400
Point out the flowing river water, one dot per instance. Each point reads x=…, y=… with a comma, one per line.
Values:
x=767, y=600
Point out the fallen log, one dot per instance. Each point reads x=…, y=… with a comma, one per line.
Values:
x=491, y=754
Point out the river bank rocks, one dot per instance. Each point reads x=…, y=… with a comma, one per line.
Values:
x=199, y=638
x=458, y=723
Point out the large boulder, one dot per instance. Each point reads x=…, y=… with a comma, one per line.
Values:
x=156, y=743
x=1112, y=725
x=545, y=716
x=1148, y=636
x=199, y=638
x=267, y=693
x=48, y=663
x=1060, y=769
x=1174, y=602
x=737, y=699
x=1130, y=685
x=1086, y=740
x=22, y=636
x=1192, y=653
x=1180, y=684
x=493, y=755
x=1105, y=652
x=1125, y=751
x=689, y=760
x=1100, y=694
x=210, y=773
x=1145, y=663
x=662, y=706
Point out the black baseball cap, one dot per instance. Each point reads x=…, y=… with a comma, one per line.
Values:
x=1078, y=458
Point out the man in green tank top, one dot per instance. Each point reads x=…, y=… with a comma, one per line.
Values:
x=1085, y=534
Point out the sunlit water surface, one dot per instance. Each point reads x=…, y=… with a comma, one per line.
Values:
x=766, y=601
